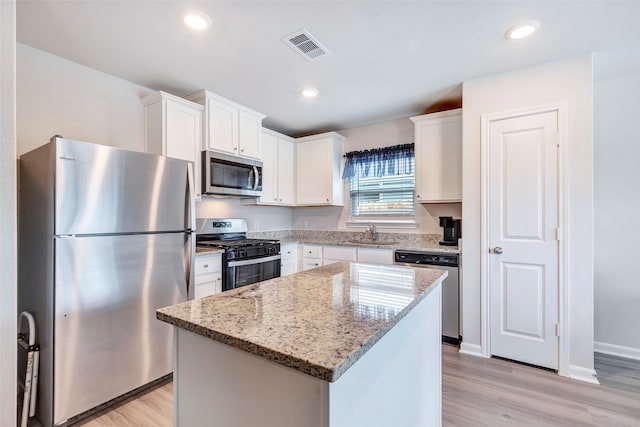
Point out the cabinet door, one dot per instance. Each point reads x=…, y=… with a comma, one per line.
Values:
x=375, y=256
x=223, y=126
x=286, y=185
x=313, y=171
x=339, y=253
x=184, y=127
x=439, y=160
x=270, y=169
x=287, y=269
x=250, y=133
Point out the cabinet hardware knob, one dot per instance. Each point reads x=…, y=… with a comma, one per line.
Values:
x=275, y=199
x=288, y=252
x=242, y=150
x=497, y=250
x=235, y=148
x=418, y=196
x=206, y=266
x=280, y=199
x=327, y=200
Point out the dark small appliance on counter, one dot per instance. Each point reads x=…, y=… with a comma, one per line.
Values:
x=452, y=230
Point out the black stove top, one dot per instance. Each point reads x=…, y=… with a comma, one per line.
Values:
x=234, y=243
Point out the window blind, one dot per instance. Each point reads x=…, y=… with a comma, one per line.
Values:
x=372, y=195
x=381, y=181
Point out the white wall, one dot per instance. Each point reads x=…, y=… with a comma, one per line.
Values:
x=383, y=134
x=57, y=96
x=617, y=213
x=568, y=80
x=8, y=225
x=259, y=218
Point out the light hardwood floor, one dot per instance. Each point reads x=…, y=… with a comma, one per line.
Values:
x=476, y=392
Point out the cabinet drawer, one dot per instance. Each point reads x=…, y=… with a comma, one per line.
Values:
x=339, y=253
x=289, y=252
x=206, y=264
x=310, y=263
x=311, y=251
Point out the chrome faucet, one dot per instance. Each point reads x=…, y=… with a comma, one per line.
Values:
x=374, y=233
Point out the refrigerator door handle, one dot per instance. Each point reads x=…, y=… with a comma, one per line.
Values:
x=190, y=203
x=190, y=266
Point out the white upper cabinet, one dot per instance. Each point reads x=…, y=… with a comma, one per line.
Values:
x=230, y=127
x=173, y=128
x=278, y=160
x=318, y=170
x=438, y=144
x=277, y=169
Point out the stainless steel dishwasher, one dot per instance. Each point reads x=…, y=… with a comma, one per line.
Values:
x=450, y=286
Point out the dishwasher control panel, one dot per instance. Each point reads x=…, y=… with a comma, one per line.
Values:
x=426, y=258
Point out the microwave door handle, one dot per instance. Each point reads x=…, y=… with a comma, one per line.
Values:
x=256, y=178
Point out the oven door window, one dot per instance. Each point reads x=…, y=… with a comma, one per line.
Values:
x=243, y=275
x=231, y=175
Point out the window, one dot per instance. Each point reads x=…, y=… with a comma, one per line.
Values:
x=381, y=182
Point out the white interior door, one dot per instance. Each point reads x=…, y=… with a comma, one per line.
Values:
x=523, y=221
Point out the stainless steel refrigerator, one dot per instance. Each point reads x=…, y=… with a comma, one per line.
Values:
x=105, y=238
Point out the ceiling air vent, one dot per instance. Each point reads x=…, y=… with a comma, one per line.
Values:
x=306, y=45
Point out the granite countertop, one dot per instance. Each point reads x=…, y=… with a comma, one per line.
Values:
x=415, y=245
x=319, y=322
x=393, y=241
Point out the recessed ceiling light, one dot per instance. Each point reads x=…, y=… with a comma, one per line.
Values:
x=522, y=30
x=309, y=92
x=196, y=19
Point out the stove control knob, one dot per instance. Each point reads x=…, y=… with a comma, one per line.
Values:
x=242, y=253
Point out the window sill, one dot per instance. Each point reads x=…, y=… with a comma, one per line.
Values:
x=382, y=223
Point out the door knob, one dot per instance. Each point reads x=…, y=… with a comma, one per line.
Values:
x=497, y=250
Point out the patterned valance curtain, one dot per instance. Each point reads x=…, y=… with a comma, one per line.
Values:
x=387, y=161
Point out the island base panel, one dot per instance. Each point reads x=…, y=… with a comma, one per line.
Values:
x=397, y=382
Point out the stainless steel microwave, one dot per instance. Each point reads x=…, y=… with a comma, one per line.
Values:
x=224, y=175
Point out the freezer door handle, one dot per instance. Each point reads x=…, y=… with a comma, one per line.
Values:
x=190, y=204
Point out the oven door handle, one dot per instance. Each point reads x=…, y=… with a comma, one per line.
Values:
x=253, y=261
x=256, y=178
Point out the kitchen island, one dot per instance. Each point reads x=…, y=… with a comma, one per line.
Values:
x=342, y=345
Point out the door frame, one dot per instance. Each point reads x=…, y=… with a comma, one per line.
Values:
x=562, y=110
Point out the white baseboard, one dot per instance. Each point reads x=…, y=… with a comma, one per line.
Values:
x=472, y=349
x=583, y=374
x=617, y=350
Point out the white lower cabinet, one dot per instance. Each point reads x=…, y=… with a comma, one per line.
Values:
x=375, y=255
x=208, y=275
x=311, y=256
x=331, y=254
x=314, y=255
x=289, y=259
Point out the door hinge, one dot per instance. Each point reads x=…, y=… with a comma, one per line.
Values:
x=557, y=234
x=557, y=329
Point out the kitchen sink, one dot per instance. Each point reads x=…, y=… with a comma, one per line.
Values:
x=370, y=242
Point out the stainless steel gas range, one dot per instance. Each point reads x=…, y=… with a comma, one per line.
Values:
x=244, y=261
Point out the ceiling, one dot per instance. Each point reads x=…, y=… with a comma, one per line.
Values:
x=388, y=59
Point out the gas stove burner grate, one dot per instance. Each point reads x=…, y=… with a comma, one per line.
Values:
x=235, y=243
